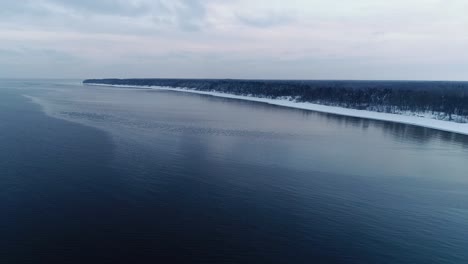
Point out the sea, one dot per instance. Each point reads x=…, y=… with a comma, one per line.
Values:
x=121, y=175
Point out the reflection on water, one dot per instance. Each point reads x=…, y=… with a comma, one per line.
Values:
x=400, y=132
x=317, y=141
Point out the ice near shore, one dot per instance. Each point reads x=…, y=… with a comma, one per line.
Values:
x=423, y=121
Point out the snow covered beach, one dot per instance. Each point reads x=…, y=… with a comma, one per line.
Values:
x=460, y=128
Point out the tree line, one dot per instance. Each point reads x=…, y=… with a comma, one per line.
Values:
x=447, y=98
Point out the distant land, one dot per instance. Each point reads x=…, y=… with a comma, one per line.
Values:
x=441, y=105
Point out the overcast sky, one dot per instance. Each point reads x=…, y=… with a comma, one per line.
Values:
x=288, y=39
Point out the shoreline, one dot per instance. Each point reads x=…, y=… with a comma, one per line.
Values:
x=447, y=126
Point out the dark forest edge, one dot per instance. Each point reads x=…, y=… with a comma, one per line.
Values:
x=440, y=100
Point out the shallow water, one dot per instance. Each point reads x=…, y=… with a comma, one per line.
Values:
x=95, y=174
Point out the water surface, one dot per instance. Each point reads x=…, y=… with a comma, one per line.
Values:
x=107, y=175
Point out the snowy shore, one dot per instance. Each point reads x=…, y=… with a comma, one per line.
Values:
x=460, y=128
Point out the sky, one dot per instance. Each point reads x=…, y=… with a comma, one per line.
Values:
x=252, y=39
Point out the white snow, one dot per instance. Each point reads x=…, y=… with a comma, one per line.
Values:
x=417, y=120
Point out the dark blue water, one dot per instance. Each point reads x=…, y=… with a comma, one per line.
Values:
x=106, y=175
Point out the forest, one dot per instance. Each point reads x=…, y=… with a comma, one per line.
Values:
x=440, y=99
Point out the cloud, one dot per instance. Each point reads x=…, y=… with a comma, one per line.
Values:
x=367, y=39
x=265, y=20
x=21, y=55
x=105, y=15
x=190, y=14
x=107, y=7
